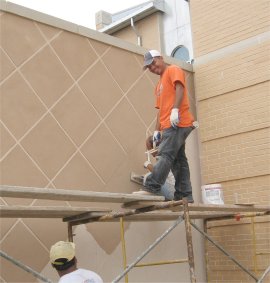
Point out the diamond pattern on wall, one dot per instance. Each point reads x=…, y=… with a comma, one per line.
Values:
x=78, y=174
x=26, y=251
x=97, y=150
x=126, y=125
x=19, y=106
x=6, y=142
x=17, y=169
x=48, y=31
x=6, y=65
x=98, y=46
x=37, y=226
x=6, y=224
x=47, y=76
x=126, y=70
x=43, y=144
x=76, y=115
x=76, y=54
x=141, y=95
x=18, y=31
x=100, y=88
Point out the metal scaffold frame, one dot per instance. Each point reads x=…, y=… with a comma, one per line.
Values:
x=136, y=208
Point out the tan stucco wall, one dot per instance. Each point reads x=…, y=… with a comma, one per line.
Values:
x=232, y=40
x=75, y=111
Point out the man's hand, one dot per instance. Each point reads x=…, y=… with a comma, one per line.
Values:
x=146, y=164
x=156, y=138
x=174, y=118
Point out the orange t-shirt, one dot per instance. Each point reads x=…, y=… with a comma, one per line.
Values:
x=165, y=97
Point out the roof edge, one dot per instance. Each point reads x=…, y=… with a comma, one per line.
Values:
x=34, y=15
x=147, y=10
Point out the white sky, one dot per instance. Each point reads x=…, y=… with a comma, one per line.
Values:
x=78, y=11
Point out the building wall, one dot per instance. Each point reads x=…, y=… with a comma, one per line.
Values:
x=75, y=112
x=176, y=26
x=147, y=28
x=226, y=23
x=231, y=45
x=163, y=31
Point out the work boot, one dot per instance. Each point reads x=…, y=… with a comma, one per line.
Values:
x=189, y=198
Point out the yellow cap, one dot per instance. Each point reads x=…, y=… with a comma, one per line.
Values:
x=62, y=249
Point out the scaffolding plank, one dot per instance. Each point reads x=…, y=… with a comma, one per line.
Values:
x=170, y=216
x=73, y=195
x=227, y=207
x=90, y=213
x=17, y=211
x=207, y=207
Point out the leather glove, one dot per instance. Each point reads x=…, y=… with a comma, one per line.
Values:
x=156, y=138
x=146, y=163
x=175, y=118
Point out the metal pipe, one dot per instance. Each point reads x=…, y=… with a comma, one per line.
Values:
x=24, y=267
x=139, y=38
x=70, y=232
x=189, y=243
x=120, y=276
x=264, y=274
x=254, y=245
x=162, y=262
x=226, y=253
x=124, y=253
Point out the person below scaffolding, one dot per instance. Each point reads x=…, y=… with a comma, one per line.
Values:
x=62, y=257
x=167, y=189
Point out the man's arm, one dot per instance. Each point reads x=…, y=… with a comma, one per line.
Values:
x=157, y=128
x=179, y=93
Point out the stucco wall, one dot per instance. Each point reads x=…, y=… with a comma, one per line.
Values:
x=231, y=47
x=75, y=111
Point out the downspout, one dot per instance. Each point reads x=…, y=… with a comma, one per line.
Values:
x=139, y=38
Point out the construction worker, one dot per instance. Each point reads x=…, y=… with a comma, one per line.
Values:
x=62, y=257
x=174, y=124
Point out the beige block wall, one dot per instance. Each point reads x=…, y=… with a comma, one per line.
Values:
x=247, y=240
x=75, y=111
x=231, y=40
x=217, y=24
x=148, y=29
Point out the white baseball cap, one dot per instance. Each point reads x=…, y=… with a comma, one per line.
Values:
x=62, y=249
x=149, y=57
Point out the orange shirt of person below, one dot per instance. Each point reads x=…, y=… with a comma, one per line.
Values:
x=165, y=97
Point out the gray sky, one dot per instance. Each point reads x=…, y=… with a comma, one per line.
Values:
x=78, y=11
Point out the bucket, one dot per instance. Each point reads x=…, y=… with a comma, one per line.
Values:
x=212, y=194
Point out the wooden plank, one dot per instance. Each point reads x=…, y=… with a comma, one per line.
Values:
x=17, y=211
x=73, y=195
x=227, y=207
x=207, y=207
x=119, y=214
x=246, y=203
x=167, y=216
x=137, y=204
x=80, y=213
